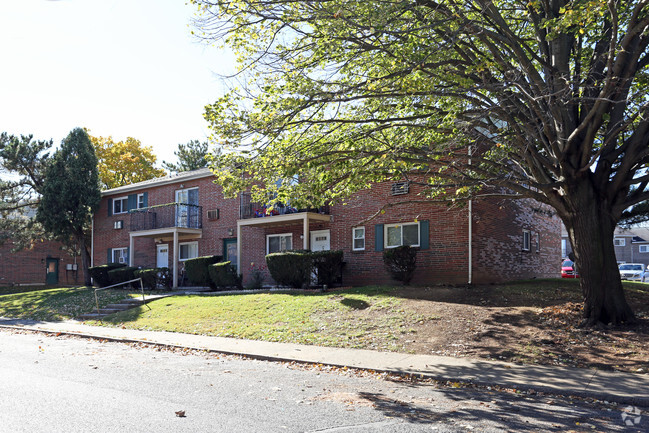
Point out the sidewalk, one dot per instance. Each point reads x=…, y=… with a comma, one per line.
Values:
x=625, y=388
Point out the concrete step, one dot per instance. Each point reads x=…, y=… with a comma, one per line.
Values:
x=92, y=316
x=106, y=311
x=120, y=307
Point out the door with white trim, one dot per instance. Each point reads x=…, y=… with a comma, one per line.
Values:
x=320, y=240
x=162, y=256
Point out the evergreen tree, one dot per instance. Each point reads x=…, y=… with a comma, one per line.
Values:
x=191, y=156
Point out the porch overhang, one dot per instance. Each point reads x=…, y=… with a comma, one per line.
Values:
x=166, y=234
x=303, y=218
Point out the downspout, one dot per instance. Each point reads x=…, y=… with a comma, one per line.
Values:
x=470, y=231
x=92, y=242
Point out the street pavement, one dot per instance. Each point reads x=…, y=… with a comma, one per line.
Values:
x=624, y=388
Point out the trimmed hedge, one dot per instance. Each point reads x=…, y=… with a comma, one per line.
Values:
x=154, y=278
x=401, y=263
x=295, y=268
x=197, y=270
x=122, y=274
x=99, y=274
x=224, y=275
x=327, y=266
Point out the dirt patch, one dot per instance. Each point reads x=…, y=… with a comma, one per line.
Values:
x=532, y=323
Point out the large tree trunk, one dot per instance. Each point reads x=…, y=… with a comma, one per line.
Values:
x=85, y=260
x=591, y=232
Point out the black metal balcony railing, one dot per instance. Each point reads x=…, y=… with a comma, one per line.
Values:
x=166, y=216
x=250, y=209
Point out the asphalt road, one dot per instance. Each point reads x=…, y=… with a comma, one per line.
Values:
x=70, y=384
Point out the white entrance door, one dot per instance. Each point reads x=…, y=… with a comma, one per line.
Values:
x=162, y=256
x=320, y=240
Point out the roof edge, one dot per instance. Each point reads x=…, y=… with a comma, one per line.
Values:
x=161, y=181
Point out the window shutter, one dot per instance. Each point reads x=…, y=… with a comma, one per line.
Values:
x=128, y=256
x=146, y=199
x=110, y=255
x=110, y=206
x=132, y=202
x=378, y=237
x=424, y=235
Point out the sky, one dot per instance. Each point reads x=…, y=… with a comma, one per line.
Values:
x=121, y=68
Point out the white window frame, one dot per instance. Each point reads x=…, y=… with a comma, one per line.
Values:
x=356, y=238
x=124, y=207
x=564, y=247
x=279, y=235
x=619, y=242
x=123, y=255
x=179, y=191
x=527, y=240
x=140, y=201
x=181, y=244
x=401, y=226
x=643, y=248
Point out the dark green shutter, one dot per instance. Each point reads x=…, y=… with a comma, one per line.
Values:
x=146, y=199
x=110, y=206
x=424, y=235
x=132, y=202
x=378, y=237
x=128, y=256
x=110, y=255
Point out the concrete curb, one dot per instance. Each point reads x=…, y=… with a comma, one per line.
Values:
x=622, y=388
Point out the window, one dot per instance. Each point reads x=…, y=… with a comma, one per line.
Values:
x=397, y=235
x=538, y=242
x=526, y=240
x=564, y=247
x=644, y=248
x=358, y=238
x=120, y=205
x=187, y=250
x=187, y=196
x=119, y=255
x=619, y=242
x=277, y=243
x=140, y=201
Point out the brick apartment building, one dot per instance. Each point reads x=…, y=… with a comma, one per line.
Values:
x=46, y=262
x=165, y=221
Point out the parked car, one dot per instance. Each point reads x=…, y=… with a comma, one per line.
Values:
x=632, y=271
x=568, y=269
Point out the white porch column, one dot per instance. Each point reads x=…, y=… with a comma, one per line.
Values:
x=131, y=249
x=305, y=230
x=239, y=248
x=175, y=254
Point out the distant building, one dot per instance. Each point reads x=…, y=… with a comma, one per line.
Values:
x=631, y=245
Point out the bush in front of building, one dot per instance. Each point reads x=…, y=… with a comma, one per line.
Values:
x=123, y=274
x=327, y=266
x=154, y=278
x=197, y=270
x=99, y=274
x=291, y=268
x=224, y=275
x=401, y=262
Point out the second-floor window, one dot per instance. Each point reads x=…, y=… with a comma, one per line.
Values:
x=187, y=196
x=120, y=205
x=526, y=240
x=141, y=201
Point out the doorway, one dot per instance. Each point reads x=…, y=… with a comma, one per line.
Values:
x=162, y=256
x=230, y=251
x=320, y=240
x=52, y=275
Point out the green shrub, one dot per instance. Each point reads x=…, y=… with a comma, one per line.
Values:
x=164, y=277
x=149, y=277
x=99, y=274
x=197, y=270
x=290, y=268
x=122, y=274
x=327, y=266
x=401, y=262
x=224, y=275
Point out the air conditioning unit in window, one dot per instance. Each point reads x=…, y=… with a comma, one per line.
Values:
x=400, y=188
x=118, y=225
x=213, y=214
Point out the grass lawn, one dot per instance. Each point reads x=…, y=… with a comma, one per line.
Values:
x=532, y=322
x=55, y=304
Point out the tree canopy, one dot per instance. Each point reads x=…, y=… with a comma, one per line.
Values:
x=124, y=162
x=70, y=193
x=539, y=99
x=191, y=156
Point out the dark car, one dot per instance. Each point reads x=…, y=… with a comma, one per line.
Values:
x=568, y=269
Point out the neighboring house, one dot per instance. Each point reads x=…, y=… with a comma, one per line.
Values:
x=165, y=221
x=45, y=263
x=631, y=245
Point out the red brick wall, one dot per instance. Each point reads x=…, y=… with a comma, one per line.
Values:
x=29, y=266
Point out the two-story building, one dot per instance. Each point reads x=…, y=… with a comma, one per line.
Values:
x=163, y=222
x=631, y=245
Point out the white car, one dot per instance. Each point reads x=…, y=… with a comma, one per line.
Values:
x=633, y=272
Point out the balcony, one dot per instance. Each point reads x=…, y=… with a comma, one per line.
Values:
x=250, y=209
x=168, y=215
